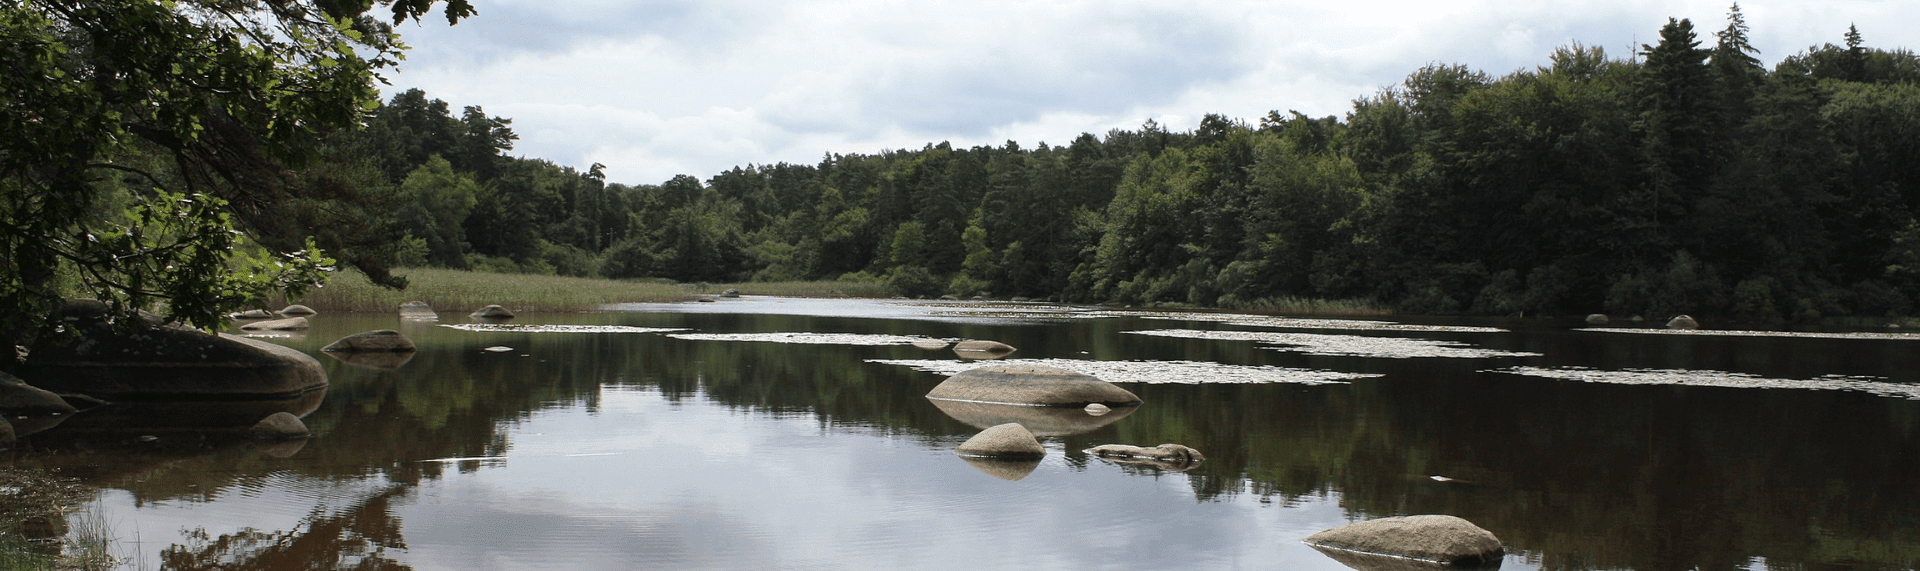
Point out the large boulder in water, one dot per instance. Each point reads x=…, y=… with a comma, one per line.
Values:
x=382, y=341
x=1039, y=385
x=143, y=356
x=19, y=398
x=492, y=312
x=1008, y=440
x=1437, y=538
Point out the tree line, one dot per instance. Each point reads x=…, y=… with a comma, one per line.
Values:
x=1686, y=178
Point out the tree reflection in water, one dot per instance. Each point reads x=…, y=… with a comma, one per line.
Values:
x=356, y=538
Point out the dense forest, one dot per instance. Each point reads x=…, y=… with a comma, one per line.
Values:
x=1686, y=178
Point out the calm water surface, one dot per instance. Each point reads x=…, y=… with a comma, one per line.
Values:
x=621, y=446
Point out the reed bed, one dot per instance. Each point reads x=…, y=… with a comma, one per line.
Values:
x=803, y=289
x=451, y=290
x=1314, y=306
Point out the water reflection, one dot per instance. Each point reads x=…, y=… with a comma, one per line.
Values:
x=642, y=450
x=1040, y=420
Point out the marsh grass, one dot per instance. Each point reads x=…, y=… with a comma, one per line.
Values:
x=803, y=289
x=456, y=290
x=1313, y=306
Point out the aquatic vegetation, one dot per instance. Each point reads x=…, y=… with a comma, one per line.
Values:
x=1279, y=322
x=458, y=290
x=1153, y=372
x=809, y=338
x=1746, y=333
x=1346, y=345
x=1874, y=385
x=551, y=328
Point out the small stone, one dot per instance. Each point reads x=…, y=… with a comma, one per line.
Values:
x=1597, y=319
x=254, y=314
x=279, y=426
x=1683, y=322
x=1008, y=440
x=298, y=310
x=497, y=349
x=417, y=310
x=1097, y=409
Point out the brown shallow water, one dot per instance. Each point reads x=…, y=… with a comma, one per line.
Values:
x=730, y=436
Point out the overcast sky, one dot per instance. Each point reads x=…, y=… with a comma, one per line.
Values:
x=655, y=88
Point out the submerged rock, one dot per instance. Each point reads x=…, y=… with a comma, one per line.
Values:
x=930, y=344
x=1597, y=319
x=381, y=341
x=279, y=426
x=1008, y=440
x=297, y=310
x=380, y=361
x=288, y=324
x=19, y=398
x=254, y=314
x=492, y=312
x=1682, y=322
x=1168, y=456
x=1013, y=383
x=730, y=293
x=417, y=310
x=150, y=358
x=1438, y=538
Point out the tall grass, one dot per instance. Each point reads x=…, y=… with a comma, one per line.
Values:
x=803, y=289
x=450, y=290
x=1312, y=306
x=445, y=290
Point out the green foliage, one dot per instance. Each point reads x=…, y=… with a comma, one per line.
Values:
x=192, y=115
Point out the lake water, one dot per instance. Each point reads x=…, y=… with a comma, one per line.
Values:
x=766, y=433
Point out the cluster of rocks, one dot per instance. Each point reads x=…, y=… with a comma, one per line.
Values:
x=971, y=349
x=1678, y=321
x=1054, y=400
x=101, y=359
x=1011, y=451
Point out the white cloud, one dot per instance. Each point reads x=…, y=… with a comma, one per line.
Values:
x=658, y=88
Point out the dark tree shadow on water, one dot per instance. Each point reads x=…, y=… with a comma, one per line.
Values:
x=356, y=538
